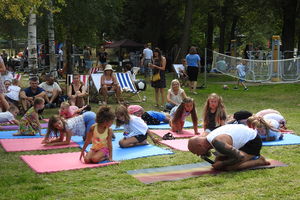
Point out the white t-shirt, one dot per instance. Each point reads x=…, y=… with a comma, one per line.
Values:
x=277, y=117
x=76, y=125
x=136, y=126
x=148, y=53
x=49, y=88
x=176, y=98
x=6, y=117
x=13, y=92
x=241, y=70
x=239, y=133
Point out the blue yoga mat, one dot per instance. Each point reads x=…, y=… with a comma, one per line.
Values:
x=9, y=135
x=187, y=124
x=288, y=139
x=128, y=153
x=114, y=128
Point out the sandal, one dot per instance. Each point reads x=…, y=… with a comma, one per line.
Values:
x=168, y=136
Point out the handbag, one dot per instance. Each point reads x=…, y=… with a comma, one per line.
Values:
x=156, y=77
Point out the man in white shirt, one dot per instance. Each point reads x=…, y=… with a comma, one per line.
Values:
x=147, y=58
x=52, y=90
x=238, y=147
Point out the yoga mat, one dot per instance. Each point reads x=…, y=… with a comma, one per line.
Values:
x=30, y=144
x=186, y=133
x=178, y=172
x=9, y=135
x=178, y=144
x=187, y=124
x=59, y=162
x=16, y=127
x=128, y=153
x=288, y=139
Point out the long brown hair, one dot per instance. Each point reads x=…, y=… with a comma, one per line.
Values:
x=220, y=111
x=51, y=129
x=180, y=110
x=259, y=122
x=159, y=55
x=122, y=111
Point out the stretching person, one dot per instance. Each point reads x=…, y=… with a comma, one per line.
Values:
x=238, y=147
x=64, y=129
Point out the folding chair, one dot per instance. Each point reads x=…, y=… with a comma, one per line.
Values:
x=17, y=76
x=95, y=70
x=177, y=69
x=84, y=79
x=127, y=85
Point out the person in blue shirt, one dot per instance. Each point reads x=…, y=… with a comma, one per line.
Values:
x=193, y=63
x=28, y=94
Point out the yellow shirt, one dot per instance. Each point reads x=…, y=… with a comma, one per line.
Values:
x=99, y=140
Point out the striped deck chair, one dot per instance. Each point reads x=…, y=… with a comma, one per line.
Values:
x=127, y=85
x=84, y=79
x=17, y=76
x=95, y=70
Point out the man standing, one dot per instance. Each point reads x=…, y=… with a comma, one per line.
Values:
x=147, y=58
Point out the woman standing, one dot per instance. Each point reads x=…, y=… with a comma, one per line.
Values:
x=193, y=63
x=158, y=78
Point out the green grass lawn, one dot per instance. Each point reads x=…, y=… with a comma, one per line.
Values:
x=18, y=181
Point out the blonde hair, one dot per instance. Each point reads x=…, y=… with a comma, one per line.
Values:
x=122, y=111
x=220, y=111
x=259, y=122
x=64, y=104
x=174, y=81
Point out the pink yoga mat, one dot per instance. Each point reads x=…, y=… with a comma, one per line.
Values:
x=16, y=127
x=186, y=133
x=58, y=162
x=179, y=144
x=29, y=144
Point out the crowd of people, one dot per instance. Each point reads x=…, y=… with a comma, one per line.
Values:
x=238, y=139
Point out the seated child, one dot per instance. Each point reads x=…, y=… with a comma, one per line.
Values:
x=10, y=115
x=29, y=124
x=181, y=112
x=136, y=130
x=150, y=117
x=100, y=135
x=13, y=92
x=67, y=111
x=214, y=114
x=264, y=130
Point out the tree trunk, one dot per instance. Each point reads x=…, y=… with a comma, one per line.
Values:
x=223, y=28
x=288, y=28
x=186, y=30
x=232, y=31
x=209, y=37
x=51, y=39
x=68, y=50
x=32, y=46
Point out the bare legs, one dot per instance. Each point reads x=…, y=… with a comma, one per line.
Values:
x=160, y=91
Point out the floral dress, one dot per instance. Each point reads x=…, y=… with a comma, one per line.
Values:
x=29, y=125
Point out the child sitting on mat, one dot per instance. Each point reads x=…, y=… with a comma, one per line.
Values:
x=179, y=114
x=264, y=129
x=10, y=115
x=67, y=111
x=135, y=129
x=150, y=117
x=63, y=129
x=29, y=123
x=214, y=114
x=100, y=135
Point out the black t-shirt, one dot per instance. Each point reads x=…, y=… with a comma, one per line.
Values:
x=211, y=120
x=102, y=56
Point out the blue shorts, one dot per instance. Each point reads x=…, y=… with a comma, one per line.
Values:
x=157, y=115
x=89, y=119
x=242, y=78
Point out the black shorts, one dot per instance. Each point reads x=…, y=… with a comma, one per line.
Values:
x=192, y=73
x=141, y=138
x=252, y=147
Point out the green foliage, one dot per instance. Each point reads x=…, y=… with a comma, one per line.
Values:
x=18, y=181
